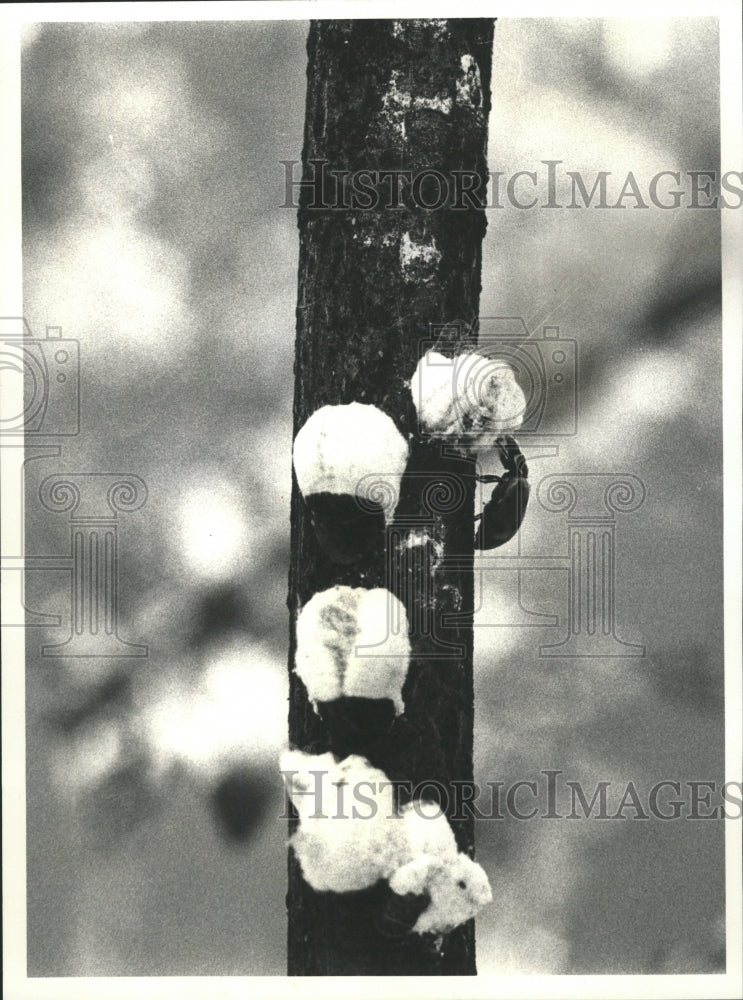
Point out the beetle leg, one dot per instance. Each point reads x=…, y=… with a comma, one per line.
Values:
x=511, y=455
x=504, y=453
x=489, y=479
x=507, y=446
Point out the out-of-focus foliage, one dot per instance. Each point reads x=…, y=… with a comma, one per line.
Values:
x=153, y=234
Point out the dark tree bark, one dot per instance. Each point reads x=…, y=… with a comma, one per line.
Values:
x=374, y=284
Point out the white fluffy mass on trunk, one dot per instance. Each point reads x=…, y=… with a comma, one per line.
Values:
x=466, y=400
x=351, y=835
x=353, y=642
x=355, y=450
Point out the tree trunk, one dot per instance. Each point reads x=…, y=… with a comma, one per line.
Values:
x=376, y=281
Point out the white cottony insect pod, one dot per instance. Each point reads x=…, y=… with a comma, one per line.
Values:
x=450, y=887
x=351, y=835
x=346, y=819
x=353, y=652
x=466, y=400
x=349, y=461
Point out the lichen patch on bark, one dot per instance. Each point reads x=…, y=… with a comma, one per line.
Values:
x=418, y=261
x=436, y=28
x=418, y=539
x=469, y=86
x=395, y=99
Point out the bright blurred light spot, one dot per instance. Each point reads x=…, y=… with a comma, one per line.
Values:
x=29, y=33
x=552, y=124
x=117, y=185
x=236, y=713
x=144, y=101
x=118, y=288
x=500, y=604
x=660, y=385
x=213, y=531
x=637, y=45
x=141, y=102
x=86, y=761
x=122, y=263
x=654, y=389
x=525, y=948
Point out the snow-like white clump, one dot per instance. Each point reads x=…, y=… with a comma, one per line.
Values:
x=354, y=449
x=468, y=399
x=353, y=642
x=351, y=835
x=457, y=885
x=346, y=819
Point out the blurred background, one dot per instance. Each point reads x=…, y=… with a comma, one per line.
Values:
x=153, y=234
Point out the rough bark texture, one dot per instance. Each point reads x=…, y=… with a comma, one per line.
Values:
x=367, y=304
